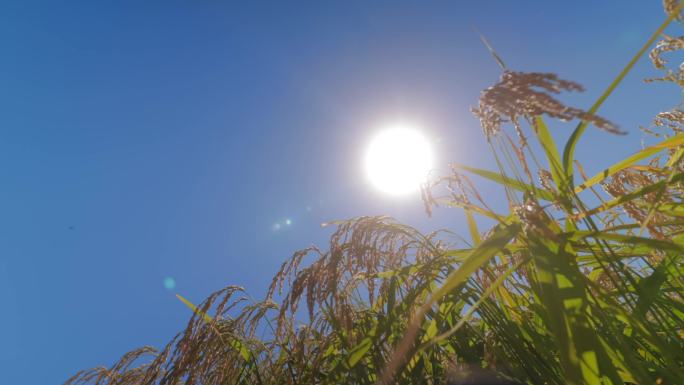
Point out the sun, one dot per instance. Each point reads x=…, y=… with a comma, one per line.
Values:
x=398, y=160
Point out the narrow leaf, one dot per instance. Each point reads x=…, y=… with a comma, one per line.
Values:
x=674, y=141
x=569, y=151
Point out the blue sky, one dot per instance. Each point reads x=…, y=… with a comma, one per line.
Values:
x=141, y=140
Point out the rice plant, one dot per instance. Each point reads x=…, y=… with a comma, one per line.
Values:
x=578, y=282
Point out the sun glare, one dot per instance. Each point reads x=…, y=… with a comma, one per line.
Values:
x=398, y=160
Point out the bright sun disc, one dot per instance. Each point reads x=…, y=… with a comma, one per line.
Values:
x=398, y=160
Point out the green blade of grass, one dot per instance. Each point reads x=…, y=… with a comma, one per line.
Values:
x=488, y=292
x=489, y=247
x=235, y=343
x=569, y=150
x=472, y=227
x=508, y=182
x=639, y=193
x=563, y=295
x=674, y=141
x=629, y=240
x=481, y=254
x=551, y=150
x=207, y=318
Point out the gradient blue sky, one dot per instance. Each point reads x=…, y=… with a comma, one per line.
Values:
x=141, y=140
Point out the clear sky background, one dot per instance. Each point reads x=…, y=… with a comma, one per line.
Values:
x=141, y=140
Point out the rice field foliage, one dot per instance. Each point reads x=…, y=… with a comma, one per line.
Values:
x=579, y=281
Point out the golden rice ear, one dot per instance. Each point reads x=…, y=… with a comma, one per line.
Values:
x=129, y=370
x=671, y=6
x=673, y=119
x=667, y=45
x=528, y=94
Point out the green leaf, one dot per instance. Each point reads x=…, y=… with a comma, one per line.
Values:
x=632, y=196
x=509, y=182
x=631, y=240
x=551, y=150
x=479, y=256
x=431, y=330
x=674, y=141
x=471, y=310
x=207, y=317
x=360, y=350
x=235, y=343
x=562, y=293
x=471, y=207
x=472, y=227
x=569, y=151
x=649, y=288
